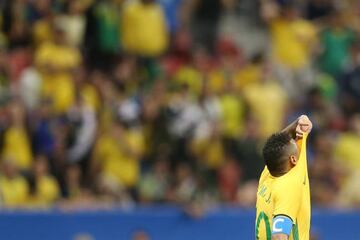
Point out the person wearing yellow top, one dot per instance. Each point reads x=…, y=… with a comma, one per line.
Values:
x=267, y=103
x=191, y=77
x=16, y=142
x=42, y=30
x=118, y=152
x=283, y=208
x=210, y=151
x=232, y=115
x=292, y=43
x=251, y=73
x=13, y=187
x=347, y=145
x=46, y=188
x=143, y=28
x=55, y=61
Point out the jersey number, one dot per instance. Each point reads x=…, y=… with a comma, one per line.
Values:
x=263, y=216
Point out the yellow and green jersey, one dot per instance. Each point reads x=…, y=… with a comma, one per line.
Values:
x=287, y=195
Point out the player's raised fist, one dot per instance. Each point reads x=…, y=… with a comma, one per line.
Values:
x=304, y=125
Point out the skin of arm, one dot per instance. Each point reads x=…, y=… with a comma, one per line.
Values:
x=291, y=128
x=279, y=236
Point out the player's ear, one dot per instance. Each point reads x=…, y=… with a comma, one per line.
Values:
x=293, y=160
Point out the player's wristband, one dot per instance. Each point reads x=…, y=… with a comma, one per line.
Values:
x=282, y=224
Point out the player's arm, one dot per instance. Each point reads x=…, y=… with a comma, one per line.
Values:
x=291, y=128
x=279, y=236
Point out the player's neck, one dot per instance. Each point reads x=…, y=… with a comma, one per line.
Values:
x=281, y=173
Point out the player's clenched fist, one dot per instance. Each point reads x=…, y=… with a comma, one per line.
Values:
x=304, y=125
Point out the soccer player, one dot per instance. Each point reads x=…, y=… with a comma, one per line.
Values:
x=283, y=197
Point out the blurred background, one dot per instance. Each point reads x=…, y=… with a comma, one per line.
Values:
x=154, y=113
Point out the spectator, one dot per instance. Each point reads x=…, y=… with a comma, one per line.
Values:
x=269, y=119
x=74, y=21
x=102, y=37
x=229, y=62
x=56, y=72
x=44, y=190
x=41, y=14
x=17, y=146
x=289, y=31
x=118, y=152
x=233, y=112
x=13, y=187
x=144, y=28
x=336, y=40
x=347, y=143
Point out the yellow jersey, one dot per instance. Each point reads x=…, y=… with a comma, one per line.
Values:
x=287, y=195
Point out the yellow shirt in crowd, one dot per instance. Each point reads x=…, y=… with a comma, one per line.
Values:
x=249, y=74
x=55, y=62
x=14, y=191
x=268, y=104
x=143, y=29
x=191, y=77
x=46, y=192
x=347, y=150
x=17, y=147
x=116, y=162
x=292, y=41
x=232, y=110
x=211, y=151
x=218, y=79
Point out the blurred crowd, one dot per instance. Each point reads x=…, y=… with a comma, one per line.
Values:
x=117, y=102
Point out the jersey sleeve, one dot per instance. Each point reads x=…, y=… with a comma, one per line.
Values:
x=263, y=175
x=287, y=198
x=302, y=163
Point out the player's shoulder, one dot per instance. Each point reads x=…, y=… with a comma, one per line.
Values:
x=264, y=174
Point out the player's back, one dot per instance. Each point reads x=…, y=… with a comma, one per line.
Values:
x=269, y=205
x=287, y=195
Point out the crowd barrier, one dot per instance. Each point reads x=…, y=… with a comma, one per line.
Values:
x=161, y=223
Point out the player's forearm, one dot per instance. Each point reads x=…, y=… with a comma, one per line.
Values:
x=279, y=237
x=291, y=128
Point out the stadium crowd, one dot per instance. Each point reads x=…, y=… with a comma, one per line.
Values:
x=117, y=102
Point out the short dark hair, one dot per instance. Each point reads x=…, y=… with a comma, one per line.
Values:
x=274, y=150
